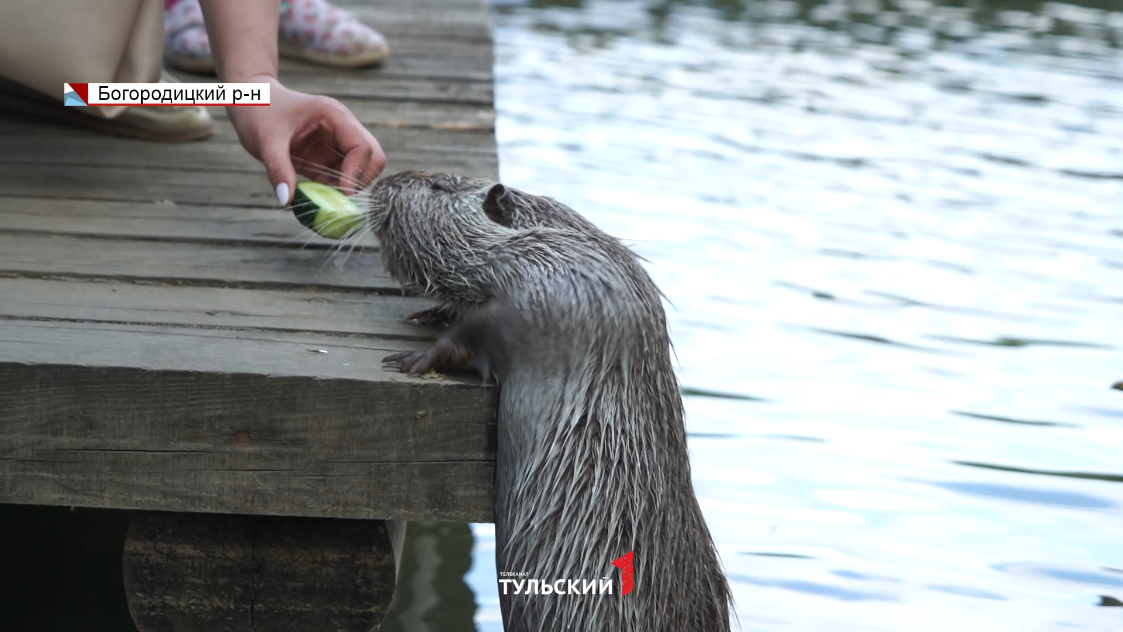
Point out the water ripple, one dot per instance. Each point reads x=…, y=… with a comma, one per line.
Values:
x=1028, y=494
x=895, y=221
x=1114, y=478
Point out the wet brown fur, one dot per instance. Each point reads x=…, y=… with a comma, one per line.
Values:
x=592, y=459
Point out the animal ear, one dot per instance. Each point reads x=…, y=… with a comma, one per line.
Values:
x=446, y=182
x=498, y=205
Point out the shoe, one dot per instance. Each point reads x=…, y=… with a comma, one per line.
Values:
x=322, y=33
x=186, y=45
x=311, y=30
x=163, y=123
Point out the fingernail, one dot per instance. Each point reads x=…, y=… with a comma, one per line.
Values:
x=283, y=193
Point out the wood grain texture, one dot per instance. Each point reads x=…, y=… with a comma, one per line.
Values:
x=385, y=88
x=220, y=421
x=172, y=341
x=465, y=21
x=162, y=221
x=319, y=311
x=374, y=114
x=188, y=184
x=197, y=573
x=221, y=151
x=171, y=348
x=469, y=66
x=177, y=263
x=379, y=116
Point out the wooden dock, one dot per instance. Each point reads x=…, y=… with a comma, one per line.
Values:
x=171, y=341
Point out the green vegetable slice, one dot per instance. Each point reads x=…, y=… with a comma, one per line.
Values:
x=326, y=210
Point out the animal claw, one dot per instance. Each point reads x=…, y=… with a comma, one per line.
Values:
x=395, y=358
x=412, y=362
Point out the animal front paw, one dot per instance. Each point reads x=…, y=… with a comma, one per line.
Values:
x=442, y=356
x=412, y=362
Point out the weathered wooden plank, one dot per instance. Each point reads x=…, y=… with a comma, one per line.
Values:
x=155, y=348
x=373, y=114
x=187, y=572
x=411, y=114
x=337, y=84
x=188, y=419
x=415, y=58
x=85, y=181
x=223, y=171
x=214, y=156
x=455, y=491
x=232, y=308
x=163, y=221
x=192, y=357
x=407, y=137
x=474, y=67
x=183, y=185
x=178, y=263
x=391, y=18
x=473, y=133
x=392, y=88
x=216, y=152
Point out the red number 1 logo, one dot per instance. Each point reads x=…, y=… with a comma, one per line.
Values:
x=624, y=563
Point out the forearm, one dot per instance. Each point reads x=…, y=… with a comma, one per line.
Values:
x=243, y=35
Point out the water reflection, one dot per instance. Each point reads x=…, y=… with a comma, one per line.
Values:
x=1010, y=420
x=1031, y=495
x=1117, y=478
x=891, y=235
x=967, y=591
x=813, y=588
x=431, y=593
x=897, y=224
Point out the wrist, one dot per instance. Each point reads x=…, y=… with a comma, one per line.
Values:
x=236, y=113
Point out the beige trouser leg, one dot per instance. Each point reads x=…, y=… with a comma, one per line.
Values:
x=46, y=43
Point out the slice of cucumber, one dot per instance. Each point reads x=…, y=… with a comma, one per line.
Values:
x=326, y=210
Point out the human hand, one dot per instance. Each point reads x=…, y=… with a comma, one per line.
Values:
x=318, y=134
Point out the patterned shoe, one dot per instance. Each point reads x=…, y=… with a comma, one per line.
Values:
x=186, y=45
x=319, y=32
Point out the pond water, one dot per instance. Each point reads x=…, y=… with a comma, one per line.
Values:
x=892, y=234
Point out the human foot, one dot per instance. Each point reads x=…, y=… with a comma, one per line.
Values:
x=312, y=30
x=186, y=45
x=319, y=32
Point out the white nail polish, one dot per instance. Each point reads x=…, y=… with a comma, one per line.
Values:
x=283, y=193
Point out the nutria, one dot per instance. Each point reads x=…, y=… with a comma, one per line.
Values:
x=592, y=460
